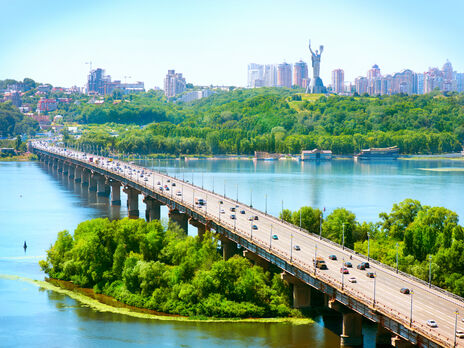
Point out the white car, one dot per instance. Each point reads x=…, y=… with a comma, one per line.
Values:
x=460, y=333
x=222, y=211
x=352, y=280
x=432, y=323
x=179, y=193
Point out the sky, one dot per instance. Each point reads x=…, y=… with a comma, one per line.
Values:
x=213, y=41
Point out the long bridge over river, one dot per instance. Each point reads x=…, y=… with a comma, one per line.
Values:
x=267, y=240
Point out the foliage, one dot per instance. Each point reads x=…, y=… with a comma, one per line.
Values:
x=145, y=265
x=13, y=122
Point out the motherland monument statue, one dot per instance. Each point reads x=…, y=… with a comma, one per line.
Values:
x=316, y=85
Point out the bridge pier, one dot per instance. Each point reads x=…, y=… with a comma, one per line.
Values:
x=180, y=218
x=352, y=325
x=115, y=193
x=257, y=260
x=60, y=166
x=93, y=182
x=153, y=209
x=301, y=291
x=383, y=338
x=132, y=202
x=201, y=228
x=102, y=187
x=77, y=174
x=65, y=168
x=400, y=342
x=85, y=177
x=71, y=170
x=229, y=248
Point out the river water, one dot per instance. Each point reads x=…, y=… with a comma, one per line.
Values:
x=35, y=204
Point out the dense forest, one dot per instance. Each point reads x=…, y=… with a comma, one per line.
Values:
x=13, y=122
x=277, y=120
x=149, y=266
x=423, y=236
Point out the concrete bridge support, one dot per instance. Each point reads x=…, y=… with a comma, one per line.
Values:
x=383, y=337
x=180, y=218
x=77, y=174
x=257, y=260
x=93, y=182
x=153, y=209
x=229, y=248
x=65, y=168
x=201, y=228
x=102, y=188
x=60, y=166
x=400, y=342
x=132, y=202
x=352, y=325
x=85, y=177
x=115, y=193
x=301, y=291
x=71, y=170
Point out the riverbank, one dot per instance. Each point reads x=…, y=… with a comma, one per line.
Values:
x=19, y=158
x=104, y=303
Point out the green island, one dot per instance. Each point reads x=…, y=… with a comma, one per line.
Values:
x=425, y=238
x=159, y=268
x=146, y=265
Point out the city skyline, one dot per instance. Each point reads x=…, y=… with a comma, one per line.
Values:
x=144, y=40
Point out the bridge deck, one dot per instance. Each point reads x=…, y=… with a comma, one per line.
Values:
x=391, y=307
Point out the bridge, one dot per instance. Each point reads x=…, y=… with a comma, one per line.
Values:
x=265, y=239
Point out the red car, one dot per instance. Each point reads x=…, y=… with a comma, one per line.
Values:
x=344, y=270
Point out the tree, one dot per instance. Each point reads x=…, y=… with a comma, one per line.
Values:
x=332, y=227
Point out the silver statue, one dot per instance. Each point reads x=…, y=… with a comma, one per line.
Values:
x=316, y=60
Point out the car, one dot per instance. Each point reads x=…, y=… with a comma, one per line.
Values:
x=459, y=333
x=366, y=264
x=179, y=193
x=431, y=323
x=232, y=216
x=160, y=188
x=173, y=184
x=232, y=209
x=250, y=218
x=352, y=279
x=158, y=183
x=254, y=227
x=344, y=270
x=274, y=236
x=332, y=257
x=361, y=266
x=348, y=264
x=222, y=211
x=169, y=180
x=242, y=211
x=221, y=202
x=166, y=188
x=256, y=217
x=404, y=291
x=297, y=247
x=370, y=274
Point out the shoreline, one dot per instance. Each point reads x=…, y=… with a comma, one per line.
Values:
x=88, y=298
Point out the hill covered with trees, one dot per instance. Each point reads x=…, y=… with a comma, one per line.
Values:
x=281, y=120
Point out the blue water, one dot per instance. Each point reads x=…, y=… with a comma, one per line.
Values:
x=35, y=204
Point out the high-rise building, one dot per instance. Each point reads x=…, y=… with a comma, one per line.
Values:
x=255, y=75
x=174, y=84
x=361, y=85
x=300, y=72
x=420, y=83
x=284, y=75
x=373, y=76
x=270, y=75
x=460, y=82
x=97, y=82
x=338, y=80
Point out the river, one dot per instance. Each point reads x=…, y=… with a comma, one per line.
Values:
x=35, y=204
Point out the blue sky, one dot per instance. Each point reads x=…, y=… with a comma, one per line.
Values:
x=211, y=42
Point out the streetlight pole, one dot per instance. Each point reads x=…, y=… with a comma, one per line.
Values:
x=368, y=246
x=410, y=313
x=219, y=212
x=291, y=248
x=343, y=275
x=375, y=278
x=430, y=271
x=315, y=258
x=202, y=180
x=270, y=239
x=265, y=204
x=300, y=218
x=251, y=230
x=396, y=257
x=282, y=213
x=320, y=225
x=343, y=237
x=455, y=326
x=251, y=198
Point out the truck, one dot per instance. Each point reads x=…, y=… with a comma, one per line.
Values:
x=320, y=263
